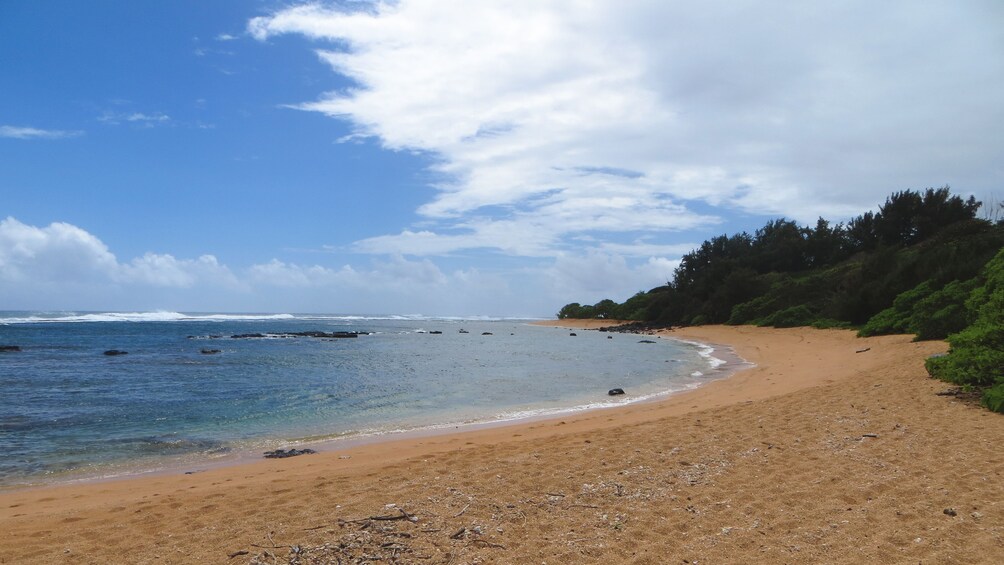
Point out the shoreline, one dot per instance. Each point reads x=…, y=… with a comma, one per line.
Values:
x=817, y=454
x=198, y=463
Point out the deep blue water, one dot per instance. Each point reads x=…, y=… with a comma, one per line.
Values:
x=68, y=410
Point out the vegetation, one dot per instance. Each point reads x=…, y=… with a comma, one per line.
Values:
x=921, y=264
x=976, y=357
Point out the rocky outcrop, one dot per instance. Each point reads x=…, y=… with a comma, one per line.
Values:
x=284, y=453
x=317, y=334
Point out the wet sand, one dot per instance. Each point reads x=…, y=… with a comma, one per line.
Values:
x=819, y=454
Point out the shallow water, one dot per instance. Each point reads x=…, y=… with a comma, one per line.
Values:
x=68, y=410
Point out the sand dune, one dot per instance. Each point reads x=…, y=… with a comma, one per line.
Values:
x=818, y=454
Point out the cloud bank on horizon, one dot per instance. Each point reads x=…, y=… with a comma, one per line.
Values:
x=573, y=150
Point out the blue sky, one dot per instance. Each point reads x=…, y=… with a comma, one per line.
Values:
x=486, y=158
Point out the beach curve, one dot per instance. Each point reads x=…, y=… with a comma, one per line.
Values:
x=818, y=454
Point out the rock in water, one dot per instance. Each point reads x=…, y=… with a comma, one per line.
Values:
x=284, y=453
x=205, y=351
x=10, y=348
x=646, y=341
x=116, y=352
x=615, y=391
x=573, y=334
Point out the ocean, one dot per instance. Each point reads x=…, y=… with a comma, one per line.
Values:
x=187, y=392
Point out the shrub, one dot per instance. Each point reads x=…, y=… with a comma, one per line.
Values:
x=896, y=318
x=943, y=312
x=830, y=324
x=993, y=398
x=976, y=357
x=790, y=317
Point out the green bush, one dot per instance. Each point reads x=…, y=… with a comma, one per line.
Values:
x=830, y=324
x=790, y=317
x=896, y=318
x=993, y=398
x=943, y=312
x=976, y=356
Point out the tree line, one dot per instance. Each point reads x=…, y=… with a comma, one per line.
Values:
x=923, y=264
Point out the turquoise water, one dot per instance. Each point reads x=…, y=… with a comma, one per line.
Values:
x=70, y=411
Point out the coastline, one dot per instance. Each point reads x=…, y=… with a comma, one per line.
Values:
x=746, y=468
x=196, y=463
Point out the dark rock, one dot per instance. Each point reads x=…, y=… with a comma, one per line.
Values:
x=205, y=351
x=10, y=348
x=321, y=334
x=573, y=334
x=284, y=453
x=636, y=328
x=486, y=333
x=615, y=391
x=646, y=341
x=116, y=352
x=435, y=332
x=610, y=337
x=317, y=334
x=951, y=512
x=463, y=331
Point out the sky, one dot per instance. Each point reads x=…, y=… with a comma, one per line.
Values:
x=490, y=158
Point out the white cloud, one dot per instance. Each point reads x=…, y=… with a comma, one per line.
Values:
x=555, y=118
x=64, y=266
x=136, y=118
x=396, y=274
x=59, y=251
x=64, y=254
x=278, y=273
x=22, y=132
x=166, y=271
x=595, y=275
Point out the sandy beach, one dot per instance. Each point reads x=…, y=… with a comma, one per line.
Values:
x=832, y=449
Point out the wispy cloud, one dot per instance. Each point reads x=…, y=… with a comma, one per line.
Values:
x=23, y=132
x=553, y=119
x=137, y=118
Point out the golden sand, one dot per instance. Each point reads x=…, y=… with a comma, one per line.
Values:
x=819, y=454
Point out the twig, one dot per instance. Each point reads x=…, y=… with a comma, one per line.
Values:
x=238, y=553
x=457, y=515
x=459, y=533
x=488, y=543
x=271, y=541
x=402, y=516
